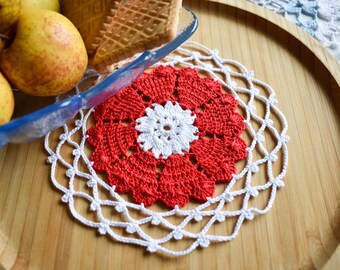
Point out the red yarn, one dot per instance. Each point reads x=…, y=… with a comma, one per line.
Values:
x=174, y=180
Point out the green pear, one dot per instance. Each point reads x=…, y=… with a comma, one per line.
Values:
x=28, y=5
x=47, y=56
x=9, y=13
x=6, y=100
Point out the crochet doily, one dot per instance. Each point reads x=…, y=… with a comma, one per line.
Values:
x=169, y=136
x=172, y=128
x=319, y=18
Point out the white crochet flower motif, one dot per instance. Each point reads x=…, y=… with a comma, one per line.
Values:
x=166, y=130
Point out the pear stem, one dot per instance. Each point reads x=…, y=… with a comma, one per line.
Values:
x=4, y=36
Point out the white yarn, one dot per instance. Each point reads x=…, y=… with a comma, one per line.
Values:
x=226, y=72
x=320, y=18
x=166, y=130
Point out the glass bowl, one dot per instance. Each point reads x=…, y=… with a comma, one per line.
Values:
x=34, y=117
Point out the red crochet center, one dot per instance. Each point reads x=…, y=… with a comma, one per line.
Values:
x=173, y=181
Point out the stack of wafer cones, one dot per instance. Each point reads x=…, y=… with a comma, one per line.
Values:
x=114, y=30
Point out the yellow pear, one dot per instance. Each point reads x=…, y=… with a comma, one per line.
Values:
x=47, y=56
x=28, y=5
x=1, y=44
x=9, y=13
x=6, y=100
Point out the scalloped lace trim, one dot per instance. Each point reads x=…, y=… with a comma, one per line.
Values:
x=320, y=18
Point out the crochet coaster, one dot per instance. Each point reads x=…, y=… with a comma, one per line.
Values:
x=169, y=136
x=195, y=144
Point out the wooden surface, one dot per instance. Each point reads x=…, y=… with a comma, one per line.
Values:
x=301, y=231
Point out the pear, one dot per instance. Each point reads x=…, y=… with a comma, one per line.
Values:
x=6, y=100
x=28, y=5
x=2, y=45
x=47, y=56
x=9, y=13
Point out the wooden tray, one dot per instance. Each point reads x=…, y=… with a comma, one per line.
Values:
x=303, y=228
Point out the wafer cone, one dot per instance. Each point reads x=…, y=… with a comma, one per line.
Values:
x=91, y=17
x=136, y=26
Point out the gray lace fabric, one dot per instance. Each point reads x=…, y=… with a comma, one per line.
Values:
x=320, y=18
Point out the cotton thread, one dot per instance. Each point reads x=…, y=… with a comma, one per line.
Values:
x=187, y=142
x=213, y=209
